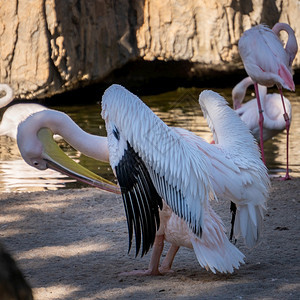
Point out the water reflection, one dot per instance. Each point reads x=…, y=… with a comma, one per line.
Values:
x=179, y=108
x=17, y=176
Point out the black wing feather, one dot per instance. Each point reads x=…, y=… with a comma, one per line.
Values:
x=174, y=198
x=140, y=198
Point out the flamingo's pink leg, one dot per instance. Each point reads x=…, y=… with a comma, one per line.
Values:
x=287, y=127
x=261, y=123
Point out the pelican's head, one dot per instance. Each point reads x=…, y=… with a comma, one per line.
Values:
x=30, y=146
x=40, y=151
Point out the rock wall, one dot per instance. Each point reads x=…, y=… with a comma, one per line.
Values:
x=50, y=46
x=207, y=31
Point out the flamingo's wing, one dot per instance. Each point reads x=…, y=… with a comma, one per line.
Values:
x=274, y=111
x=273, y=115
x=151, y=162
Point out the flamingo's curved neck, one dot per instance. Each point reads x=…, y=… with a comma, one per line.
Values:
x=8, y=95
x=291, y=46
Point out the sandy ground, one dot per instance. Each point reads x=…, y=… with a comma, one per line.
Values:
x=72, y=244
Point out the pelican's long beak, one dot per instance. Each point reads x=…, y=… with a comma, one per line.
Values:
x=57, y=160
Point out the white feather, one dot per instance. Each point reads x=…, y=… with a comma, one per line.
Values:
x=186, y=171
x=157, y=144
x=236, y=170
x=213, y=250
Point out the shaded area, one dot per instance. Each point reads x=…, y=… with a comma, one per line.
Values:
x=152, y=78
x=12, y=283
x=72, y=244
x=270, y=13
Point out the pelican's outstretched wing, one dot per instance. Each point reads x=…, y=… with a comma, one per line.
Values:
x=151, y=162
x=238, y=173
x=239, y=150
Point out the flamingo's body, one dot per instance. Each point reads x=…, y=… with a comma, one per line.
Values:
x=272, y=107
x=267, y=62
x=154, y=162
x=265, y=59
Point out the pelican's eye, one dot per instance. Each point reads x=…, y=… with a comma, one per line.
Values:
x=116, y=133
x=35, y=163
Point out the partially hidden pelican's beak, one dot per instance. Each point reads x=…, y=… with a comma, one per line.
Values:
x=57, y=160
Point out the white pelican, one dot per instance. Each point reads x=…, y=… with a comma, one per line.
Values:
x=272, y=108
x=154, y=162
x=267, y=62
x=15, y=113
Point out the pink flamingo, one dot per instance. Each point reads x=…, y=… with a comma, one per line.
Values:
x=271, y=105
x=267, y=62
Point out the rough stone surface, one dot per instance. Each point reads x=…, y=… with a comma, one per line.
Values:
x=50, y=46
x=207, y=31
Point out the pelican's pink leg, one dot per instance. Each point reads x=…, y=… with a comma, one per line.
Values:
x=168, y=261
x=287, y=127
x=154, y=260
x=156, y=254
x=261, y=123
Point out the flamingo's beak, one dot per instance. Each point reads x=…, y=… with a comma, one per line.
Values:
x=57, y=160
x=236, y=105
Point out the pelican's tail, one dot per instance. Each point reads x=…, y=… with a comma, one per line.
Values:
x=248, y=223
x=213, y=250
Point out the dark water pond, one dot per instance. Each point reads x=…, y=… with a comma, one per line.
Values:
x=177, y=108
